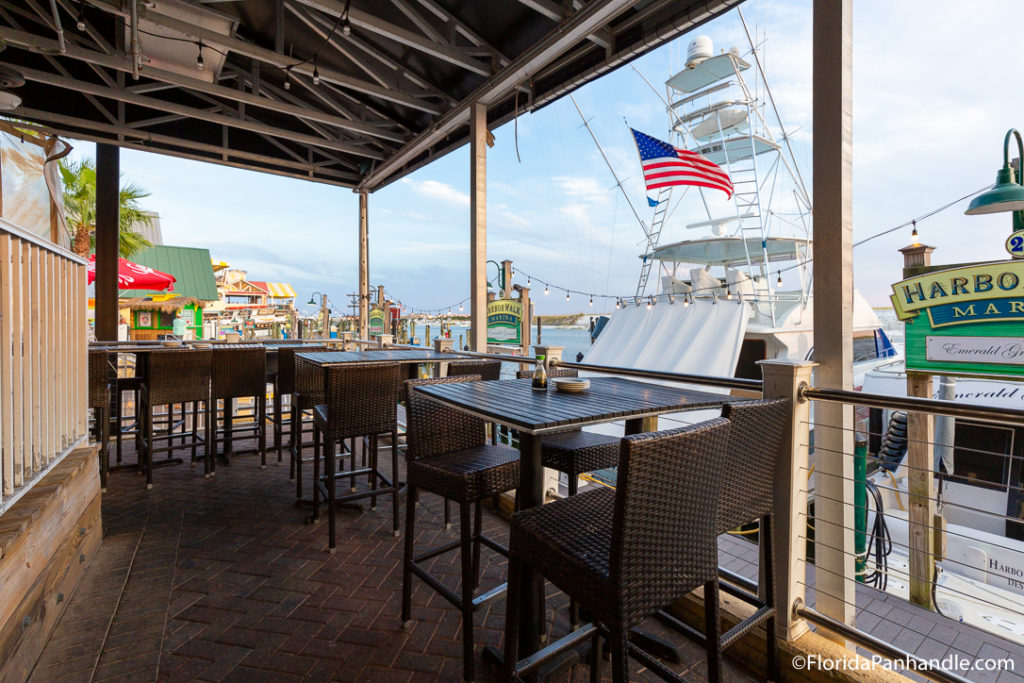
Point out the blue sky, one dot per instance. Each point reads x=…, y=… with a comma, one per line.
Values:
x=935, y=89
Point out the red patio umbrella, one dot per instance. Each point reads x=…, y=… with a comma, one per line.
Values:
x=133, y=276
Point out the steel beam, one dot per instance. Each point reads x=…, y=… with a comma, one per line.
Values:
x=107, y=238
x=586, y=21
x=34, y=43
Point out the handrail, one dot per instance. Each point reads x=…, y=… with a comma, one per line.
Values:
x=1011, y=416
x=869, y=642
x=21, y=233
x=726, y=382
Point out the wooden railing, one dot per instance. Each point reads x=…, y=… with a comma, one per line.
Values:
x=43, y=368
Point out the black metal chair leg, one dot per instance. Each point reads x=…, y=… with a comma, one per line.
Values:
x=595, y=658
x=277, y=422
x=712, y=632
x=468, y=665
x=477, y=524
x=394, y=482
x=619, y=641
x=410, y=524
x=316, y=474
x=261, y=425
x=329, y=473
x=447, y=515
x=512, y=619
x=373, y=470
x=149, y=447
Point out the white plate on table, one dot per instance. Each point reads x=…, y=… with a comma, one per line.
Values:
x=571, y=385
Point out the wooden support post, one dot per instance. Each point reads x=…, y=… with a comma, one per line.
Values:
x=525, y=326
x=921, y=487
x=506, y=278
x=783, y=379
x=833, y=305
x=107, y=236
x=364, y=266
x=478, y=228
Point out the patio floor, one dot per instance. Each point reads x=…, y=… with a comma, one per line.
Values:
x=220, y=579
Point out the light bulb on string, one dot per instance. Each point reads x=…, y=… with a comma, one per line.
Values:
x=346, y=27
x=287, y=78
x=545, y=290
x=316, y=73
x=460, y=308
x=686, y=300
x=728, y=293
x=780, y=278
x=527, y=280
x=649, y=304
x=618, y=304
x=913, y=233
x=567, y=295
x=80, y=22
x=591, y=299
x=199, y=59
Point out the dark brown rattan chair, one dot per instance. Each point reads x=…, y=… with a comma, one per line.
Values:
x=176, y=377
x=624, y=554
x=99, y=401
x=756, y=436
x=361, y=401
x=240, y=372
x=284, y=385
x=487, y=369
x=308, y=382
x=448, y=454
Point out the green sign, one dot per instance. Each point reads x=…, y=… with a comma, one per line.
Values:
x=376, y=322
x=504, y=322
x=964, y=321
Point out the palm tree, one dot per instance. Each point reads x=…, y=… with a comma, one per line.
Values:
x=80, y=209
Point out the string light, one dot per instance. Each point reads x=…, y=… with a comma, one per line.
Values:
x=686, y=300
x=346, y=27
x=591, y=299
x=199, y=60
x=671, y=299
x=460, y=308
x=648, y=304
x=316, y=73
x=80, y=22
x=728, y=293
x=618, y=304
x=527, y=280
x=913, y=232
x=780, y=278
x=567, y=295
x=545, y=290
x=287, y=78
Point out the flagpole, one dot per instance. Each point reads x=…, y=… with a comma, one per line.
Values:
x=618, y=183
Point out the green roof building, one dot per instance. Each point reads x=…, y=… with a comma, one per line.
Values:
x=190, y=266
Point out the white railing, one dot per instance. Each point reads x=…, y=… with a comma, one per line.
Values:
x=43, y=368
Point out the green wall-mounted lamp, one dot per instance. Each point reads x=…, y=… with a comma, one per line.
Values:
x=1008, y=193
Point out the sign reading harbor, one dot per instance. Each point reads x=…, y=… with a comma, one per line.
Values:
x=965, y=321
x=504, y=322
x=376, y=322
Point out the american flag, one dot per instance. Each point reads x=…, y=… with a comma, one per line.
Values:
x=665, y=165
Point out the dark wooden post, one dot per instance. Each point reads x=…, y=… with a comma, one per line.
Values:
x=107, y=238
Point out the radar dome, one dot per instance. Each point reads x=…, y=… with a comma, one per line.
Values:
x=700, y=48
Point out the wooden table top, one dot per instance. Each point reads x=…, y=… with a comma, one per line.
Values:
x=325, y=358
x=515, y=404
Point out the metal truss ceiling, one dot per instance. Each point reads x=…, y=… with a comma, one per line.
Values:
x=395, y=79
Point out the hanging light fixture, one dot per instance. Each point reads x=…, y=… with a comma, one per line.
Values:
x=567, y=295
x=686, y=300
x=728, y=293
x=316, y=73
x=618, y=304
x=199, y=59
x=545, y=290
x=346, y=27
x=913, y=233
x=527, y=280
x=80, y=21
x=460, y=308
x=648, y=304
x=1008, y=193
x=780, y=278
x=591, y=299
x=287, y=78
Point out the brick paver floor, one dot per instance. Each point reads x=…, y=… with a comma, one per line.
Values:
x=221, y=579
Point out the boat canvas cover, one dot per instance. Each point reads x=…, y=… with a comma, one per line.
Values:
x=703, y=338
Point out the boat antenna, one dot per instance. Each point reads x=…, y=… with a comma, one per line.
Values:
x=618, y=183
x=775, y=109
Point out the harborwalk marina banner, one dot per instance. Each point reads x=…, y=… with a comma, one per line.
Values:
x=967, y=320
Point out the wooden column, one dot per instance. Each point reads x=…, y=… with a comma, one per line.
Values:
x=107, y=237
x=364, y=265
x=783, y=379
x=833, y=305
x=920, y=463
x=478, y=228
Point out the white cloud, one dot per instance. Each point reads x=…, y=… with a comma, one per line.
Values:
x=438, y=190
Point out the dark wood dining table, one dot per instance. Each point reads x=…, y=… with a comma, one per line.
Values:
x=410, y=357
x=533, y=414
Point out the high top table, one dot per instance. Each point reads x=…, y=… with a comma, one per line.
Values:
x=515, y=404
x=411, y=357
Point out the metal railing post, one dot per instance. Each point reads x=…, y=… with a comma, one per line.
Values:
x=784, y=379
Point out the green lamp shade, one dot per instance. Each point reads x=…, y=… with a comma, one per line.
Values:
x=1005, y=196
x=311, y=302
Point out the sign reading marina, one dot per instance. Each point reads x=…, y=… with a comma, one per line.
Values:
x=504, y=322
x=967, y=320
x=376, y=322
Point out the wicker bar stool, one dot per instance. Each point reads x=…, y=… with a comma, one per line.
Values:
x=99, y=401
x=361, y=401
x=487, y=369
x=448, y=454
x=576, y=452
x=176, y=377
x=307, y=392
x=756, y=436
x=284, y=385
x=624, y=554
x=240, y=372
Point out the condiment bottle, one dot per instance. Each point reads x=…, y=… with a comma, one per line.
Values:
x=540, y=375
